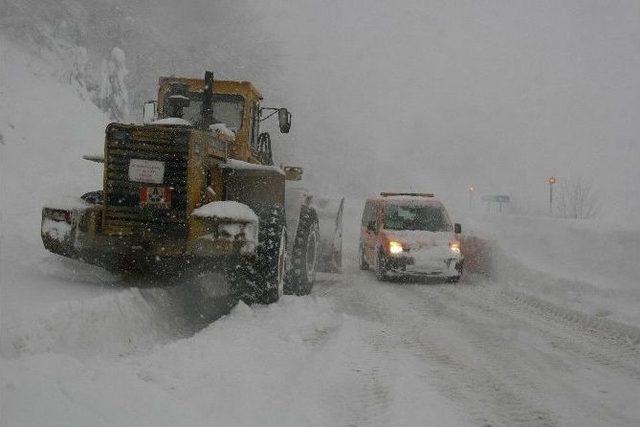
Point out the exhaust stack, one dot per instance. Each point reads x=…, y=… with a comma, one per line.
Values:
x=207, y=100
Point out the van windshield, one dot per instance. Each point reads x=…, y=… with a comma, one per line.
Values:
x=416, y=217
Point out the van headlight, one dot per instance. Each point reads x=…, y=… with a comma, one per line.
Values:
x=395, y=247
x=455, y=247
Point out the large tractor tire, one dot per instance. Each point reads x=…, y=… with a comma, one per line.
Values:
x=260, y=279
x=330, y=213
x=302, y=273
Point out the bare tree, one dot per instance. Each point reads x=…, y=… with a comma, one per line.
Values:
x=577, y=199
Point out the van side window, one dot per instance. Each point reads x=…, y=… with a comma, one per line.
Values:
x=369, y=213
x=373, y=215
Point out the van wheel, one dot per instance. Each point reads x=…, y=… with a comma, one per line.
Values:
x=260, y=279
x=302, y=274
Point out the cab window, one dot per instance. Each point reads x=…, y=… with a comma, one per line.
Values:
x=227, y=109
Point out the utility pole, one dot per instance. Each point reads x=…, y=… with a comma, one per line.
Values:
x=471, y=190
x=551, y=180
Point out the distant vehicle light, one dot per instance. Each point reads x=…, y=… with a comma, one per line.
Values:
x=455, y=247
x=395, y=247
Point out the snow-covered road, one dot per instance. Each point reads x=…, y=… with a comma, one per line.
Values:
x=356, y=352
x=506, y=358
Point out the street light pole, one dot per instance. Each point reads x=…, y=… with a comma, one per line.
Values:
x=471, y=190
x=551, y=180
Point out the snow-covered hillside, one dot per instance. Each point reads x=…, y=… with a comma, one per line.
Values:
x=49, y=303
x=46, y=127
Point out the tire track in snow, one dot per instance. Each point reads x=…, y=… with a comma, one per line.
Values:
x=493, y=397
x=605, y=342
x=478, y=309
x=480, y=345
x=361, y=393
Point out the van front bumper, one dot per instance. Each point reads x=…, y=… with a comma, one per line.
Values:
x=437, y=262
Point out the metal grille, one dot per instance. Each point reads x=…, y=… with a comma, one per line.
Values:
x=122, y=196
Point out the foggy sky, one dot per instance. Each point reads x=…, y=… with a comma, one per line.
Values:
x=438, y=95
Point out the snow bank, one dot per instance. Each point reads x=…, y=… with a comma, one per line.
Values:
x=573, y=249
x=116, y=323
x=587, y=266
x=297, y=362
x=49, y=303
x=40, y=162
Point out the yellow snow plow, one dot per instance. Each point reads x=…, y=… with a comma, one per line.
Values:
x=196, y=183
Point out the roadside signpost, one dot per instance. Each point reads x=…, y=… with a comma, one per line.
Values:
x=500, y=199
x=551, y=180
x=471, y=189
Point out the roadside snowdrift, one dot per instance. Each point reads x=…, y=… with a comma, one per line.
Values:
x=586, y=266
x=294, y=363
x=49, y=303
x=46, y=128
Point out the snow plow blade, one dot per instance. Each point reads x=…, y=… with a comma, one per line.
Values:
x=478, y=254
x=330, y=227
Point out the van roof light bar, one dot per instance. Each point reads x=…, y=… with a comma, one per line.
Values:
x=387, y=194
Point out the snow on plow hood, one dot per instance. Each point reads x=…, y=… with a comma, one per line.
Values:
x=234, y=221
x=66, y=203
x=228, y=209
x=172, y=121
x=240, y=165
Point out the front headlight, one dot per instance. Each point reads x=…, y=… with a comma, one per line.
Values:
x=395, y=247
x=455, y=247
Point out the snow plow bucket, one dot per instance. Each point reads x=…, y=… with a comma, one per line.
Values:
x=330, y=227
x=478, y=254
